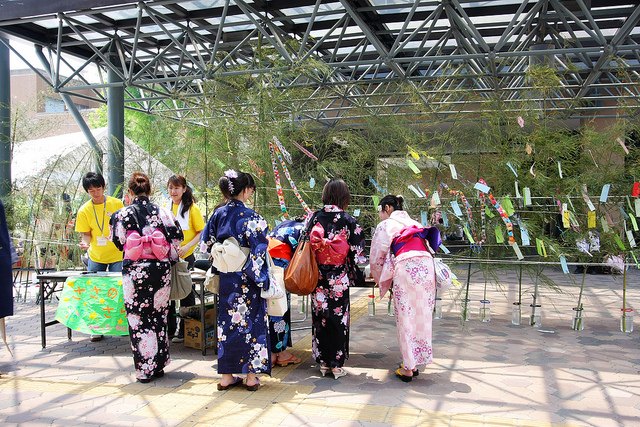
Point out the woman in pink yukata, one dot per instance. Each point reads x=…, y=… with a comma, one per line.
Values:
x=399, y=258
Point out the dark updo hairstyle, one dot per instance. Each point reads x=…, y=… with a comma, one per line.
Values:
x=394, y=201
x=336, y=192
x=187, y=197
x=139, y=184
x=231, y=186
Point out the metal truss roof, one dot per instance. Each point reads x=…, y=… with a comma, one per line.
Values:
x=369, y=57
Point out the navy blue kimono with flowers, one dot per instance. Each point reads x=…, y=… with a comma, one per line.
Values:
x=243, y=331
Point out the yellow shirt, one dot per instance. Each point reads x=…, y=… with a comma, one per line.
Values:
x=196, y=225
x=91, y=219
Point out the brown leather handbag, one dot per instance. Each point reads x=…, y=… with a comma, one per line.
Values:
x=301, y=275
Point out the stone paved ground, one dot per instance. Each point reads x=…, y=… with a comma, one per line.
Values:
x=493, y=374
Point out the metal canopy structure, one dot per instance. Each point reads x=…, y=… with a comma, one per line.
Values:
x=379, y=57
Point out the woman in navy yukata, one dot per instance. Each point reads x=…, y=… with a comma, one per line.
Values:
x=150, y=236
x=243, y=325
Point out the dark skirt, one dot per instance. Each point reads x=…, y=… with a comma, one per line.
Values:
x=146, y=286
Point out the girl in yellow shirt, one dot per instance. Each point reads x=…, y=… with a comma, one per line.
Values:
x=188, y=215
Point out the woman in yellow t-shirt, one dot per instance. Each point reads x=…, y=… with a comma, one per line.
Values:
x=188, y=215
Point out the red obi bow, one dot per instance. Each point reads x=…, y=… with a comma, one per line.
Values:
x=328, y=251
x=151, y=246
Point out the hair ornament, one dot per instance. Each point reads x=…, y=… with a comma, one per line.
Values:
x=231, y=187
x=231, y=173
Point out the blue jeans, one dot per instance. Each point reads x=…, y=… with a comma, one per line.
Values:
x=98, y=266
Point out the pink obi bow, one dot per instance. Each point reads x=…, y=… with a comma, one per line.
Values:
x=151, y=246
x=328, y=251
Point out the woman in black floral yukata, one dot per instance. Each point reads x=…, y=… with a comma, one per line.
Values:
x=150, y=236
x=339, y=244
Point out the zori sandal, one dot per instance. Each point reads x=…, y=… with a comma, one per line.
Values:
x=255, y=386
x=339, y=373
x=324, y=370
x=404, y=378
x=236, y=381
x=290, y=361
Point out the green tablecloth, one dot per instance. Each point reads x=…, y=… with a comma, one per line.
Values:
x=93, y=305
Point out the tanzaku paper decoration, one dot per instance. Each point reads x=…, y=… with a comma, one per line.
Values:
x=304, y=150
x=258, y=169
x=467, y=205
x=293, y=185
x=282, y=150
x=624, y=147
x=276, y=175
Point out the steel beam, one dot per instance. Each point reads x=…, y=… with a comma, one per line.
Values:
x=5, y=121
x=115, y=127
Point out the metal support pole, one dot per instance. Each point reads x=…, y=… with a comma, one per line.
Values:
x=5, y=122
x=97, y=151
x=115, y=129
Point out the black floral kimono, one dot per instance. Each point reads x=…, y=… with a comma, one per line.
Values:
x=330, y=301
x=146, y=283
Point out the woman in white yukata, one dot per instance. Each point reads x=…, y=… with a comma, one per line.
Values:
x=400, y=258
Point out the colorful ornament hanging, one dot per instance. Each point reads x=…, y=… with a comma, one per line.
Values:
x=503, y=215
x=305, y=151
x=467, y=206
x=276, y=175
x=286, y=172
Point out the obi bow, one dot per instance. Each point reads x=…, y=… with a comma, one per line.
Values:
x=152, y=245
x=328, y=251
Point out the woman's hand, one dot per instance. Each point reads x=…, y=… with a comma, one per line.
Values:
x=182, y=251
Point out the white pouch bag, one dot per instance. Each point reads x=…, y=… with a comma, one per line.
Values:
x=276, y=296
x=444, y=275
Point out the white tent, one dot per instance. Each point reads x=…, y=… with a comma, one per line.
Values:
x=59, y=162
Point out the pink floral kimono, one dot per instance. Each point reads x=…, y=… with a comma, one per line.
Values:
x=414, y=287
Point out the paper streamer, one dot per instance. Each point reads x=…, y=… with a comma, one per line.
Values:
x=413, y=166
x=456, y=208
x=445, y=220
x=520, y=121
x=516, y=249
x=276, y=175
x=507, y=205
x=274, y=149
x=517, y=191
x=604, y=194
x=524, y=235
x=637, y=203
x=283, y=150
x=563, y=263
x=539, y=246
x=512, y=170
x=531, y=169
x=415, y=190
x=488, y=212
x=503, y=215
x=585, y=197
x=435, y=199
x=591, y=219
x=527, y=196
x=219, y=163
x=376, y=201
x=634, y=223
x=636, y=189
x=605, y=226
x=444, y=249
x=482, y=187
x=624, y=147
x=454, y=174
x=312, y=182
x=622, y=211
x=424, y=220
x=632, y=241
x=375, y=184
x=499, y=235
x=619, y=242
x=356, y=212
x=305, y=151
x=528, y=149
